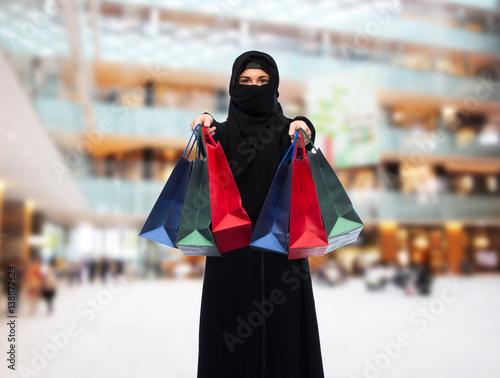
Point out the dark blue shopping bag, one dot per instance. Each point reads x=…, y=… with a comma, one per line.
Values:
x=163, y=221
x=271, y=230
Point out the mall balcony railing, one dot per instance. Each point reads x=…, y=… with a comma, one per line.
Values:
x=130, y=197
x=120, y=196
x=138, y=45
x=67, y=116
x=63, y=115
x=360, y=20
x=193, y=5
x=439, y=142
x=195, y=55
x=445, y=206
x=493, y=5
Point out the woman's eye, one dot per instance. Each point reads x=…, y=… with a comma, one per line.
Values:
x=263, y=81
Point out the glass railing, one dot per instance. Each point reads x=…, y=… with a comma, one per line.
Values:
x=195, y=55
x=485, y=4
x=394, y=139
x=149, y=121
x=59, y=114
x=356, y=18
x=440, y=207
x=227, y=6
x=433, y=83
x=120, y=196
x=65, y=115
x=34, y=28
x=18, y=35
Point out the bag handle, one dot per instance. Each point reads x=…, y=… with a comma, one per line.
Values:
x=302, y=131
x=189, y=143
x=204, y=132
x=286, y=158
x=210, y=138
x=201, y=143
x=303, y=146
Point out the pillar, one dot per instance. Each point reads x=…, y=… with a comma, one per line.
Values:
x=388, y=240
x=454, y=236
x=27, y=225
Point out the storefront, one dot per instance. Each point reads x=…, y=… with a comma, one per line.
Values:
x=482, y=248
x=423, y=244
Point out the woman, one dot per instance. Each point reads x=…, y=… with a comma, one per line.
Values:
x=258, y=316
x=33, y=284
x=49, y=286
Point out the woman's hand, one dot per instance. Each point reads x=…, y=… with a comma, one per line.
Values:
x=206, y=121
x=295, y=126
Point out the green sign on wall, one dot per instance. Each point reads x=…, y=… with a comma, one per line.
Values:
x=344, y=111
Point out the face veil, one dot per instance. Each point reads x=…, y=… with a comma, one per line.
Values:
x=258, y=102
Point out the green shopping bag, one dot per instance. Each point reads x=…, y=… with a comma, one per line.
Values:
x=342, y=223
x=194, y=236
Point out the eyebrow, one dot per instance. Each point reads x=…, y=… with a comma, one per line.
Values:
x=248, y=77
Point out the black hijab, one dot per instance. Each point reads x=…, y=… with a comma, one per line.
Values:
x=257, y=131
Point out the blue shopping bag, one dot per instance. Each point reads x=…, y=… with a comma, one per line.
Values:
x=271, y=230
x=163, y=221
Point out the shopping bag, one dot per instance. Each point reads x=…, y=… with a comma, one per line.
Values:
x=163, y=220
x=194, y=237
x=342, y=223
x=307, y=233
x=271, y=230
x=231, y=225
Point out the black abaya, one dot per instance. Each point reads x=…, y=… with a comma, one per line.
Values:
x=258, y=316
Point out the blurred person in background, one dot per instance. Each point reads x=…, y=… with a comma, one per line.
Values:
x=424, y=277
x=357, y=267
x=197, y=268
x=419, y=279
x=238, y=285
x=33, y=284
x=38, y=76
x=119, y=266
x=332, y=273
x=376, y=275
x=92, y=270
x=149, y=96
x=75, y=272
x=467, y=267
x=49, y=285
x=103, y=269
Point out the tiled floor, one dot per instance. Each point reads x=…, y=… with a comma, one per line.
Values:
x=149, y=329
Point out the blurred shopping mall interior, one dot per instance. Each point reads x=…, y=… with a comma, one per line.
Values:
x=97, y=96
x=96, y=101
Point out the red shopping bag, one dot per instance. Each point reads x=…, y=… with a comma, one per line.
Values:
x=307, y=232
x=231, y=225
